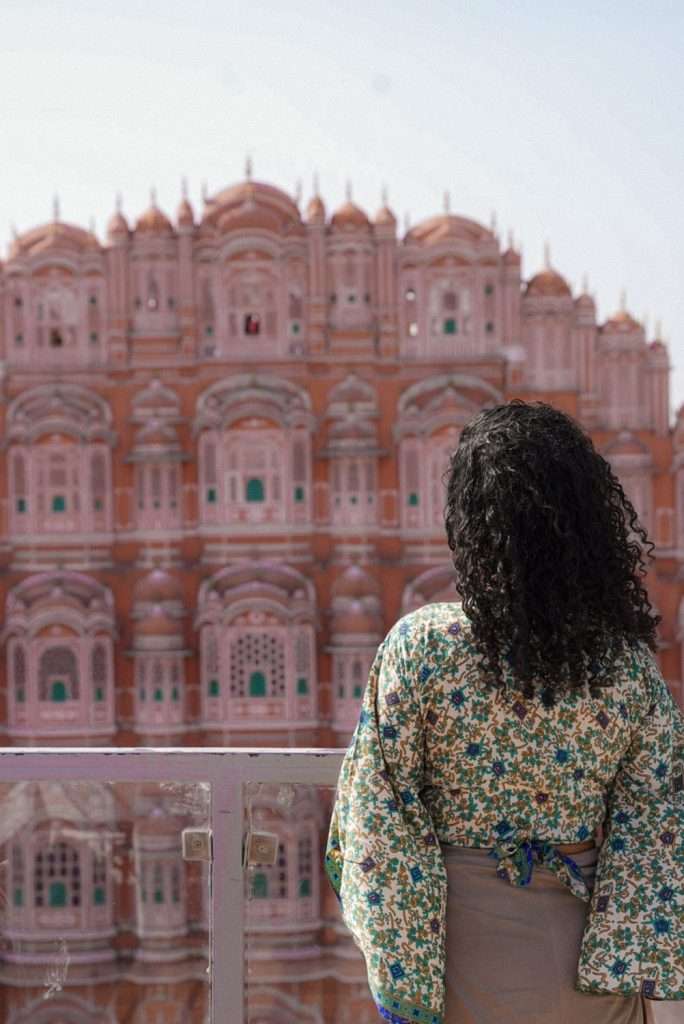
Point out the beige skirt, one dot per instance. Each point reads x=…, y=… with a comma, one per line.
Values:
x=512, y=952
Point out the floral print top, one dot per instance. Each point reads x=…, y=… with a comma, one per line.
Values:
x=438, y=756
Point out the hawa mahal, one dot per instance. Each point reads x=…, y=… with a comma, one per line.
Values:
x=223, y=441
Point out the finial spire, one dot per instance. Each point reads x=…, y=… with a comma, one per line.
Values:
x=184, y=187
x=585, y=283
x=153, y=196
x=298, y=191
x=659, y=330
x=384, y=196
x=492, y=222
x=118, y=202
x=248, y=168
x=447, y=201
x=348, y=191
x=55, y=207
x=547, y=255
x=511, y=239
x=623, y=301
x=644, y=323
x=407, y=222
x=316, y=184
x=205, y=191
x=15, y=233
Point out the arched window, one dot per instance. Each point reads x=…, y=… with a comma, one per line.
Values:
x=58, y=675
x=19, y=670
x=57, y=876
x=254, y=490
x=257, y=684
x=18, y=875
x=99, y=672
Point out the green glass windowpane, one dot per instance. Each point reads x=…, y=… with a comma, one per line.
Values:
x=450, y=326
x=295, y=328
x=255, y=489
x=413, y=498
x=211, y=495
x=21, y=504
x=18, y=897
x=259, y=886
x=304, y=886
x=340, y=691
x=257, y=684
x=99, y=693
x=57, y=894
x=357, y=690
x=58, y=503
x=354, y=500
x=302, y=685
x=209, y=330
x=97, y=504
x=213, y=687
x=174, y=693
x=489, y=289
x=158, y=896
x=158, y=694
x=21, y=695
x=299, y=494
x=99, y=895
x=58, y=690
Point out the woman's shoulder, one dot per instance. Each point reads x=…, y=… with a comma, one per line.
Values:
x=424, y=627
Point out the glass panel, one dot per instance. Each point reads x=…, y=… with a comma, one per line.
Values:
x=299, y=956
x=103, y=918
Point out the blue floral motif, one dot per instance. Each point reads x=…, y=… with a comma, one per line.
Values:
x=417, y=775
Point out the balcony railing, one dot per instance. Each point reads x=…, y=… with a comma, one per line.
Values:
x=130, y=870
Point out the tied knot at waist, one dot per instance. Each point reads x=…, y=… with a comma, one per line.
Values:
x=516, y=854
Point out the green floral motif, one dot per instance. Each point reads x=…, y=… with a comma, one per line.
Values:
x=436, y=756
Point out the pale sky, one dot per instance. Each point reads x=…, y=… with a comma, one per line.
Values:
x=565, y=118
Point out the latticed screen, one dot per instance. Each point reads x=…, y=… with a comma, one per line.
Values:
x=57, y=876
x=257, y=665
x=58, y=674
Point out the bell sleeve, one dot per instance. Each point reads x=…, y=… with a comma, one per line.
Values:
x=382, y=857
x=634, y=936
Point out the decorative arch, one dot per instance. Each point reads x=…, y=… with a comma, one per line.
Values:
x=433, y=586
x=157, y=457
x=59, y=461
x=430, y=416
x=61, y=1008
x=257, y=624
x=254, y=452
x=353, y=450
x=59, y=633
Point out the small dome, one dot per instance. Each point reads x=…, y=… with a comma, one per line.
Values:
x=511, y=258
x=355, y=582
x=153, y=222
x=585, y=301
x=157, y=623
x=622, y=321
x=547, y=283
x=350, y=217
x=385, y=216
x=117, y=226
x=315, y=210
x=158, y=586
x=354, y=619
x=184, y=215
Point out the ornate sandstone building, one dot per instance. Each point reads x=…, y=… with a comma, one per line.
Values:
x=224, y=438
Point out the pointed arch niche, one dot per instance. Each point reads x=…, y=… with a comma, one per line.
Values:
x=356, y=630
x=157, y=458
x=352, y=450
x=59, y=639
x=254, y=450
x=430, y=416
x=59, y=452
x=257, y=626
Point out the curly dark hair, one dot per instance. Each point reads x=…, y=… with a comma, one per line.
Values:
x=539, y=527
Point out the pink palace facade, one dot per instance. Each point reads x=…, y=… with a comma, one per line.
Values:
x=223, y=439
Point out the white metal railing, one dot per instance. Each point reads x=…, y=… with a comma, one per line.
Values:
x=226, y=769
